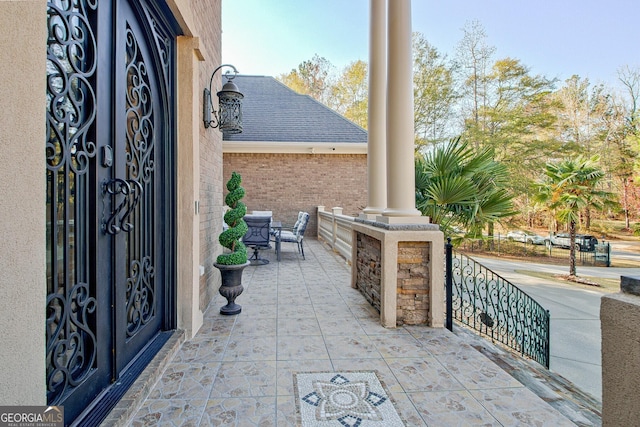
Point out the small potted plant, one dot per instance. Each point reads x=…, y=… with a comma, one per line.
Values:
x=232, y=263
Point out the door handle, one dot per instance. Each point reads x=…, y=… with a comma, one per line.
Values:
x=107, y=156
x=129, y=192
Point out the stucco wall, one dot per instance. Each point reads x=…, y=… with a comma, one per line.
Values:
x=289, y=183
x=206, y=16
x=22, y=214
x=199, y=161
x=620, y=317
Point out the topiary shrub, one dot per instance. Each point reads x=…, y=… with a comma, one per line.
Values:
x=230, y=238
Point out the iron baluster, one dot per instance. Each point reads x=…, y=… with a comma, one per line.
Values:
x=491, y=305
x=449, y=284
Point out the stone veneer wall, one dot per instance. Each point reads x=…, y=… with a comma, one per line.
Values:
x=413, y=282
x=412, y=294
x=369, y=268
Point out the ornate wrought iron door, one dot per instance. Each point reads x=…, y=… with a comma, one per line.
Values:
x=138, y=167
x=109, y=192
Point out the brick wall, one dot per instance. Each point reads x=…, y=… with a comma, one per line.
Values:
x=413, y=283
x=207, y=16
x=289, y=183
x=369, y=268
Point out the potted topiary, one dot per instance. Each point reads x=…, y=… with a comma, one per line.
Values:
x=233, y=262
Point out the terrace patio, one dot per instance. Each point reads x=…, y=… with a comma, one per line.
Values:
x=303, y=316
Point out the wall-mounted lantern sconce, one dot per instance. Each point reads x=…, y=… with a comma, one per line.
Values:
x=228, y=118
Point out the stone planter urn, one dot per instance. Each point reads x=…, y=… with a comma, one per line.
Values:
x=231, y=286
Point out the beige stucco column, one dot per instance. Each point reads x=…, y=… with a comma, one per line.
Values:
x=23, y=291
x=190, y=317
x=620, y=322
x=400, y=126
x=376, y=127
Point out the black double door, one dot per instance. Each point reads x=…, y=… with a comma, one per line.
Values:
x=110, y=192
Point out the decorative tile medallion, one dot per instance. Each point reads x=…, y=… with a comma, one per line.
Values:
x=344, y=399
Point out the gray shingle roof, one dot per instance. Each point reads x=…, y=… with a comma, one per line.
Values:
x=272, y=112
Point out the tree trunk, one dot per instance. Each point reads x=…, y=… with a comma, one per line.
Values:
x=572, y=248
x=625, y=203
x=490, y=230
x=587, y=216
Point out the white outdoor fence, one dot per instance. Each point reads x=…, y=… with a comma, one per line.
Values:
x=335, y=229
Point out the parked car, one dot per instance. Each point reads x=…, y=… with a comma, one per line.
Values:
x=525, y=237
x=584, y=242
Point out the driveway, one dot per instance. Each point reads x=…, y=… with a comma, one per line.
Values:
x=625, y=250
x=575, y=317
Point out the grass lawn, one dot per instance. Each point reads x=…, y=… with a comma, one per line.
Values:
x=601, y=284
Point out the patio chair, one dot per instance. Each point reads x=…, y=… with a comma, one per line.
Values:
x=257, y=237
x=265, y=213
x=295, y=234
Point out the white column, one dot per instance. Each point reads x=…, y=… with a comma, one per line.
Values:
x=376, y=147
x=400, y=127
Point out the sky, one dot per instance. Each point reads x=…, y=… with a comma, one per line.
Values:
x=554, y=38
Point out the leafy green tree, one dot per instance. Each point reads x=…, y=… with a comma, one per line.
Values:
x=473, y=61
x=458, y=185
x=312, y=77
x=626, y=141
x=581, y=116
x=349, y=95
x=434, y=93
x=591, y=121
x=516, y=119
x=517, y=109
x=570, y=186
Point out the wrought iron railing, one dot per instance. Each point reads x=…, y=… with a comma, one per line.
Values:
x=493, y=306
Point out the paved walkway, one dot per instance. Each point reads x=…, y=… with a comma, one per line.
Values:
x=303, y=316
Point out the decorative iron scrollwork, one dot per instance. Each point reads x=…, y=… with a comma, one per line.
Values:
x=71, y=342
x=140, y=295
x=495, y=307
x=130, y=191
x=142, y=135
x=70, y=147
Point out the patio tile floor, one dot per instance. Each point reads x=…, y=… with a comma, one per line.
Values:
x=303, y=316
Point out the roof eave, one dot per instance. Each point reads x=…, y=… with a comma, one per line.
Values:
x=294, y=147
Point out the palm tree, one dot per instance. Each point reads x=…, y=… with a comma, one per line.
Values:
x=455, y=184
x=569, y=187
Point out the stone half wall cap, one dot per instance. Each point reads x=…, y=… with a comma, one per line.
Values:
x=412, y=227
x=630, y=285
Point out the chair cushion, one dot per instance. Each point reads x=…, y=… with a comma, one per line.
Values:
x=304, y=221
x=288, y=236
x=298, y=222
